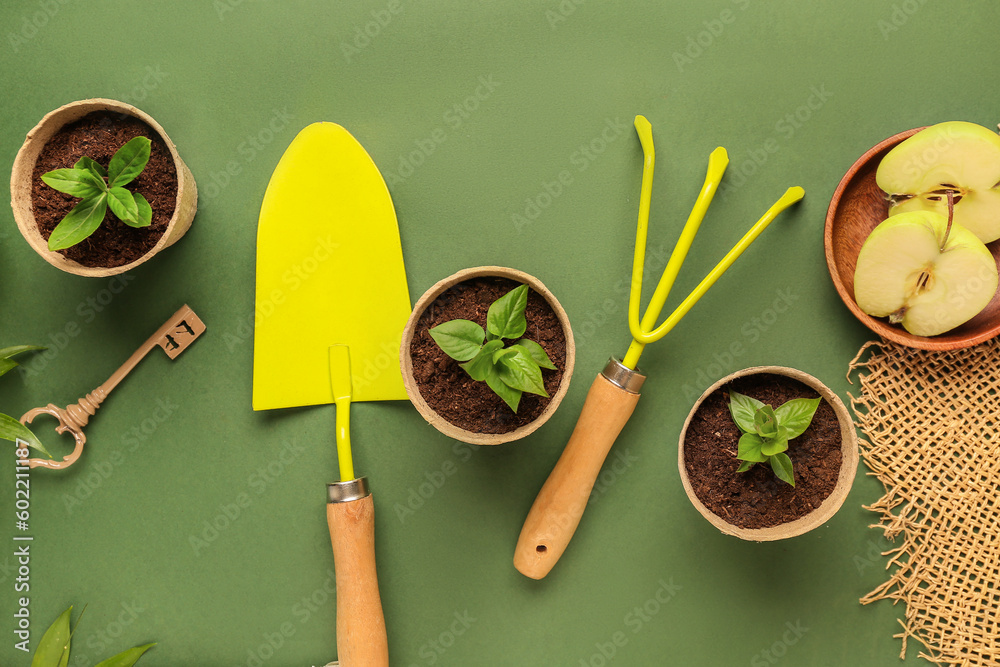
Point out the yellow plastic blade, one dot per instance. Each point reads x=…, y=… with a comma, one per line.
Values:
x=329, y=272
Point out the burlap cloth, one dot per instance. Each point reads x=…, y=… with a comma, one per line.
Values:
x=929, y=425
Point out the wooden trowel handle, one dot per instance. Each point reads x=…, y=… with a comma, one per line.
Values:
x=361, y=637
x=560, y=504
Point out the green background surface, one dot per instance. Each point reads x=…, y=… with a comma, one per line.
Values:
x=518, y=91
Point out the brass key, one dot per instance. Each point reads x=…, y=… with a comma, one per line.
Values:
x=175, y=336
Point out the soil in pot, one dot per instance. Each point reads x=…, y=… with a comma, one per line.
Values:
x=449, y=390
x=99, y=135
x=757, y=498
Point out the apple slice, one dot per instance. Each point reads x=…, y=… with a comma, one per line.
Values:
x=957, y=156
x=915, y=271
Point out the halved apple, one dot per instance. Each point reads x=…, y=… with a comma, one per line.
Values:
x=956, y=156
x=915, y=271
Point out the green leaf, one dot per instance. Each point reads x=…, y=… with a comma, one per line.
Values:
x=54, y=643
x=460, y=339
x=764, y=422
x=123, y=205
x=520, y=371
x=796, y=415
x=774, y=446
x=748, y=448
x=782, y=467
x=92, y=166
x=7, y=352
x=746, y=465
x=11, y=429
x=510, y=395
x=128, y=162
x=126, y=658
x=742, y=408
x=6, y=365
x=145, y=210
x=500, y=354
x=537, y=353
x=79, y=223
x=505, y=318
x=77, y=182
x=482, y=364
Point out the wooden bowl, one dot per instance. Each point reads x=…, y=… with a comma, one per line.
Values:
x=857, y=207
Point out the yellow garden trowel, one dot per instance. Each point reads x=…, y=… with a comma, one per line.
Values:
x=331, y=304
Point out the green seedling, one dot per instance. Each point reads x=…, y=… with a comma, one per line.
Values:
x=100, y=189
x=509, y=371
x=54, y=646
x=10, y=428
x=766, y=431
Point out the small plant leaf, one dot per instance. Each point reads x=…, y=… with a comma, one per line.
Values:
x=79, y=223
x=510, y=395
x=764, y=422
x=774, y=446
x=123, y=205
x=54, y=644
x=13, y=430
x=480, y=366
x=145, y=210
x=500, y=354
x=749, y=447
x=91, y=165
x=782, y=467
x=7, y=352
x=537, y=353
x=77, y=182
x=520, y=371
x=126, y=658
x=459, y=339
x=796, y=415
x=6, y=365
x=128, y=162
x=742, y=408
x=505, y=318
x=746, y=465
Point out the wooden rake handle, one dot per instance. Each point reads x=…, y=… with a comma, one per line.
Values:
x=361, y=636
x=559, y=506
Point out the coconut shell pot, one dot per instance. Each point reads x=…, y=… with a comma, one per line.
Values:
x=730, y=511
x=22, y=175
x=423, y=376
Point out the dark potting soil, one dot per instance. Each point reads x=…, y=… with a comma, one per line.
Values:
x=450, y=391
x=757, y=498
x=99, y=135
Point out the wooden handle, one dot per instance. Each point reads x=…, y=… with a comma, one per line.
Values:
x=361, y=638
x=559, y=506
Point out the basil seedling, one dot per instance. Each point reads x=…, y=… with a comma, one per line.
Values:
x=100, y=189
x=766, y=431
x=509, y=371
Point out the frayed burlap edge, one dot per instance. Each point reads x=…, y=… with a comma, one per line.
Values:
x=929, y=425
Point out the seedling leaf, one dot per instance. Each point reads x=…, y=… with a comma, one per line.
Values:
x=126, y=658
x=765, y=423
x=79, y=223
x=749, y=448
x=796, y=415
x=54, y=644
x=520, y=371
x=77, y=182
x=91, y=165
x=13, y=430
x=774, y=446
x=505, y=318
x=480, y=366
x=782, y=467
x=122, y=204
x=459, y=339
x=510, y=395
x=128, y=162
x=742, y=408
x=145, y=210
x=537, y=353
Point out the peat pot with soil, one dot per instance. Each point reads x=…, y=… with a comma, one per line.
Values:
x=768, y=453
x=115, y=191
x=487, y=355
